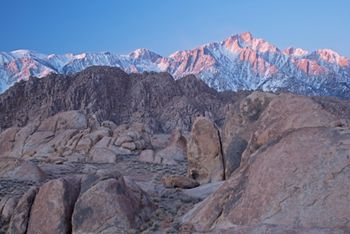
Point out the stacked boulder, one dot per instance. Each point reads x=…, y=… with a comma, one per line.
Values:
x=74, y=136
x=173, y=152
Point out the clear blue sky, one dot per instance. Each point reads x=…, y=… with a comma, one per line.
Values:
x=164, y=26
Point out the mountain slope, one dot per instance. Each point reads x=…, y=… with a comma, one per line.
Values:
x=241, y=62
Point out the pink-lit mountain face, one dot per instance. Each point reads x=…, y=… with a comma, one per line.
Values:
x=241, y=62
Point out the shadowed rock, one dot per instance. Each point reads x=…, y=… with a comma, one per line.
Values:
x=111, y=94
x=205, y=160
x=53, y=206
x=20, y=217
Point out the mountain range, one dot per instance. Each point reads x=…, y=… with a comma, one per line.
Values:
x=240, y=62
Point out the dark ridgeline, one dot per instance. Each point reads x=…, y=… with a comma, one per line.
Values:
x=111, y=94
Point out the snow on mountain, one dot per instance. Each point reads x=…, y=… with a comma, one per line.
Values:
x=241, y=62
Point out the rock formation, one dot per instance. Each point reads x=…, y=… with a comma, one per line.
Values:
x=107, y=152
x=52, y=208
x=205, y=159
x=107, y=204
x=299, y=181
x=174, y=152
x=70, y=136
x=100, y=202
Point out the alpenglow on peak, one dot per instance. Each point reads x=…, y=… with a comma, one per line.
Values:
x=240, y=62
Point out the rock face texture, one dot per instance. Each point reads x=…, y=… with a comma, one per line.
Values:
x=20, y=217
x=288, y=112
x=262, y=118
x=155, y=99
x=109, y=205
x=301, y=180
x=68, y=135
x=20, y=169
x=205, y=160
x=240, y=123
x=53, y=206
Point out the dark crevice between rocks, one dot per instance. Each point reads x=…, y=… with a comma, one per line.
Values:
x=30, y=201
x=233, y=154
x=70, y=216
x=222, y=156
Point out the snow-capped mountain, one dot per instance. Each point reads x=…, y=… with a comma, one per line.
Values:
x=240, y=62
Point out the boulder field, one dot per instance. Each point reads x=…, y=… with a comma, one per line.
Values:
x=260, y=163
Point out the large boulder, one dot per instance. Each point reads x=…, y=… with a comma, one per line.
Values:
x=89, y=140
x=37, y=141
x=56, y=146
x=53, y=206
x=240, y=123
x=7, y=207
x=272, y=229
x=301, y=180
x=20, y=217
x=41, y=139
x=205, y=161
x=262, y=118
x=286, y=113
x=19, y=169
x=103, y=155
x=7, y=138
x=133, y=137
x=21, y=138
x=64, y=120
x=100, y=202
x=107, y=204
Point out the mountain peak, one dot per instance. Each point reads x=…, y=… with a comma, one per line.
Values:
x=328, y=53
x=331, y=56
x=246, y=36
x=21, y=53
x=240, y=62
x=297, y=52
x=143, y=53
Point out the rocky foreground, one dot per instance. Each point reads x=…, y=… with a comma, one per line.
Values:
x=186, y=159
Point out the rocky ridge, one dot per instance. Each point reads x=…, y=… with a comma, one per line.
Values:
x=240, y=62
x=111, y=94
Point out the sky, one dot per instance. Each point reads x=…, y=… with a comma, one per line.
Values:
x=165, y=26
